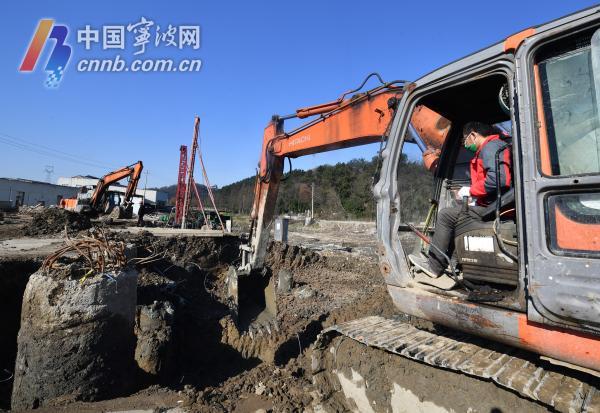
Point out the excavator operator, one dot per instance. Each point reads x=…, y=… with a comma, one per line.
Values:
x=485, y=140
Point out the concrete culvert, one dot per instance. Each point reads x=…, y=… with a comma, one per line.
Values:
x=76, y=340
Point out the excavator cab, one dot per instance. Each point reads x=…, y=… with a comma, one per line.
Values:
x=536, y=255
x=484, y=265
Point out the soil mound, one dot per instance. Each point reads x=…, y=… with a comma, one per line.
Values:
x=54, y=221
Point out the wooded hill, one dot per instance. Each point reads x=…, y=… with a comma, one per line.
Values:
x=341, y=191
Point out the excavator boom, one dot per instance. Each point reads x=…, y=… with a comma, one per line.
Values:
x=132, y=171
x=349, y=121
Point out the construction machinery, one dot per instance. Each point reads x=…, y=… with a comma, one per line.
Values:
x=101, y=201
x=184, y=190
x=526, y=280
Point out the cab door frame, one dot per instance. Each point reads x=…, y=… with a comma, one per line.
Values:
x=562, y=288
x=392, y=257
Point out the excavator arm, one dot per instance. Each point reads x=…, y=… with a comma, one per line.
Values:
x=132, y=171
x=348, y=121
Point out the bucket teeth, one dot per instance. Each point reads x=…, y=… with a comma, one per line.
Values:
x=267, y=328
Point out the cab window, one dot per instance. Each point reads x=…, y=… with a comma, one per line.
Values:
x=567, y=96
x=568, y=113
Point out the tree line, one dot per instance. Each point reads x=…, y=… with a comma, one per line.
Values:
x=341, y=191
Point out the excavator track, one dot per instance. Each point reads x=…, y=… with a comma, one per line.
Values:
x=507, y=366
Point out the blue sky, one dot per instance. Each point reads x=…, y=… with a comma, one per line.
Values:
x=259, y=58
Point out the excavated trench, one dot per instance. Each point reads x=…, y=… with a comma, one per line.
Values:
x=177, y=321
x=187, y=341
x=185, y=335
x=14, y=274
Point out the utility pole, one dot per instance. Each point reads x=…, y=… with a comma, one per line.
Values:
x=312, y=201
x=145, y=187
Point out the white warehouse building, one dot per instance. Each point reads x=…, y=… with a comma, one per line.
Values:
x=16, y=192
x=152, y=196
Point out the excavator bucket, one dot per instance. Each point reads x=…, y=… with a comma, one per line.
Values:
x=251, y=298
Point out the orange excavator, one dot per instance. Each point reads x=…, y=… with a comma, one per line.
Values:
x=98, y=202
x=523, y=307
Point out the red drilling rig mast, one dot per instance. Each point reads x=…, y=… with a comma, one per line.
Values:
x=181, y=185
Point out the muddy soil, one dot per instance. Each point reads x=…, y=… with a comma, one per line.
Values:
x=13, y=225
x=55, y=220
x=327, y=290
x=193, y=356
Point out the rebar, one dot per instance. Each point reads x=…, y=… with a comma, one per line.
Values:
x=100, y=253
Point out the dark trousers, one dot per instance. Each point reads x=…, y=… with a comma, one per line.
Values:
x=450, y=221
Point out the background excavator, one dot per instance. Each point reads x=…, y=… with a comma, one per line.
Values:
x=99, y=202
x=528, y=279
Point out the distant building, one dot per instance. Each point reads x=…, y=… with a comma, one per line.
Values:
x=152, y=196
x=17, y=192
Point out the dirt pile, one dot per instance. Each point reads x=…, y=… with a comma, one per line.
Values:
x=54, y=220
x=285, y=388
x=266, y=370
x=183, y=251
x=76, y=339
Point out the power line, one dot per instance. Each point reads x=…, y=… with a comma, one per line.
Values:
x=23, y=144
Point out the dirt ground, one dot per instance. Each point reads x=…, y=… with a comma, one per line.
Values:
x=190, y=355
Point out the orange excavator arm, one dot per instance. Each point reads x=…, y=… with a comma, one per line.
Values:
x=349, y=121
x=132, y=171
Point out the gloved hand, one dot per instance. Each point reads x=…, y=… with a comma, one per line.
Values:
x=464, y=191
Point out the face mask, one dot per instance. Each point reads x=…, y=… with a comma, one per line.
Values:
x=471, y=147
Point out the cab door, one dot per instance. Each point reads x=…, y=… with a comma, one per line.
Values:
x=558, y=89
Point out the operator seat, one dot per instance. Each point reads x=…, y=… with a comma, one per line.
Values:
x=478, y=250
